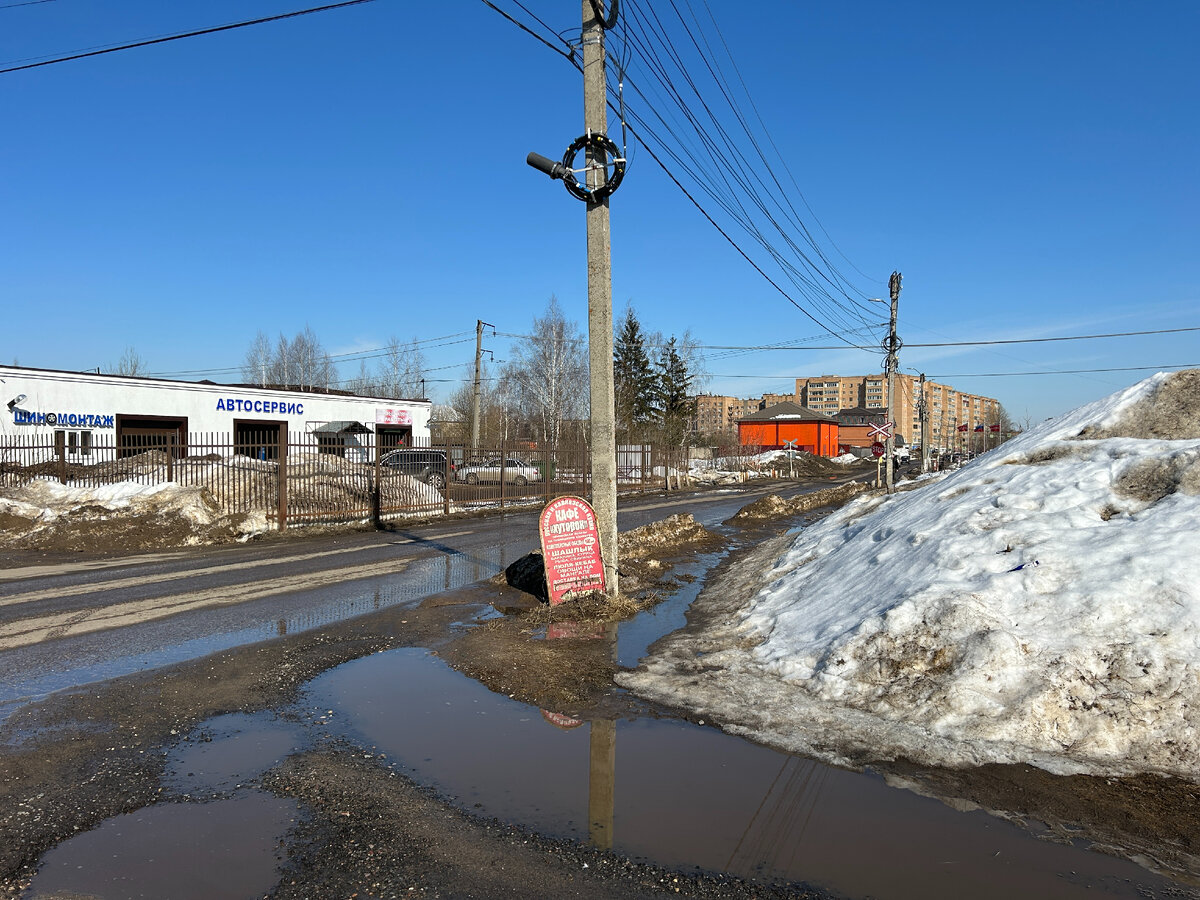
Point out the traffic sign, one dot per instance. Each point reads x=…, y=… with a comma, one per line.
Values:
x=877, y=449
x=882, y=431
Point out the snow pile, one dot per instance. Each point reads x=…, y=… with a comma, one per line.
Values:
x=31, y=513
x=1040, y=605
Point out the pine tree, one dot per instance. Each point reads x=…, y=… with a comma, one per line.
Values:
x=674, y=401
x=635, y=382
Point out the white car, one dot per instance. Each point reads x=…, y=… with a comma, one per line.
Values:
x=515, y=472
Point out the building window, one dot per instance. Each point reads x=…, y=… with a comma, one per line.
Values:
x=85, y=443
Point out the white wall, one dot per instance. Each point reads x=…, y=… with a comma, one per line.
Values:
x=96, y=400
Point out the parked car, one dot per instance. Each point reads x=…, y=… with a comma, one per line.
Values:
x=516, y=471
x=429, y=466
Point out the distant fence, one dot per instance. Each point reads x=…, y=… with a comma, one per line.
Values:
x=331, y=478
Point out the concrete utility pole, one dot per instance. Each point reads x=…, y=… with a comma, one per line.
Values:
x=600, y=328
x=479, y=323
x=923, y=417
x=893, y=348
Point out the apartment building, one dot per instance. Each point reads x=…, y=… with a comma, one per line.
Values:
x=957, y=420
x=720, y=415
x=949, y=410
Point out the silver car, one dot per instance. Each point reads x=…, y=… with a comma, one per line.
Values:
x=515, y=472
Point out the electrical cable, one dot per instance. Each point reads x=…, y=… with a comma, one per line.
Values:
x=187, y=34
x=1064, y=371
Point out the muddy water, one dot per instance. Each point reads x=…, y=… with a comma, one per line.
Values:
x=185, y=851
x=675, y=793
x=32, y=673
x=685, y=795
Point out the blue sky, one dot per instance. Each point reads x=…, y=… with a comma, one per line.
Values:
x=1029, y=167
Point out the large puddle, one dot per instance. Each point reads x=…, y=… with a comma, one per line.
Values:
x=685, y=795
x=674, y=793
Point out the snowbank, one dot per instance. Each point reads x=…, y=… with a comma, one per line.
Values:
x=42, y=506
x=1039, y=605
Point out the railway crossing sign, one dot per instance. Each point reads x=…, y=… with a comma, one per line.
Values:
x=883, y=431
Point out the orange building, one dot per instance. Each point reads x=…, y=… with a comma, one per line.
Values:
x=774, y=426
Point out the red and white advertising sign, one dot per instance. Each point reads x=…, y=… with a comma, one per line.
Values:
x=570, y=548
x=393, y=417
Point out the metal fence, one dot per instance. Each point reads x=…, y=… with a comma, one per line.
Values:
x=330, y=478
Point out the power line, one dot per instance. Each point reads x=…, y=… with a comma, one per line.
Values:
x=349, y=356
x=729, y=176
x=186, y=34
x=781, y=345
x=25, y=3
x=1068, y=371
x=1076, y=337
x=567, y=53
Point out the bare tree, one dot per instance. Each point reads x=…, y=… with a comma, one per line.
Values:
x=299, y=363
x=258, y=361
x=403, y=369
x=313, y=367
x=130, y=363
x=400, y=375
x=495, y=416
x=548, y=376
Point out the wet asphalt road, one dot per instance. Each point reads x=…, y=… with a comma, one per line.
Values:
x=76, y=621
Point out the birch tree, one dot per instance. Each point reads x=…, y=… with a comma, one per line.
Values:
x=548, y=376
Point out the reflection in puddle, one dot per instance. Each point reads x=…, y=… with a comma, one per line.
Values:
x=687, y=796
x=229, y=751
x=186, y=851
x=190, y=636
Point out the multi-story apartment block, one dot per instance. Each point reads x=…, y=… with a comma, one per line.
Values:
x=949, y=410
x=776, y=399
x=720, y=415
x=955, y=418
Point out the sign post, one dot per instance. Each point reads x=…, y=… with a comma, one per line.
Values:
x=790, y=447
x=570, y=548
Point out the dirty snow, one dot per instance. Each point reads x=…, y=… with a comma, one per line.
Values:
x=42, y=504
x=1040, y=605
x=33, y=514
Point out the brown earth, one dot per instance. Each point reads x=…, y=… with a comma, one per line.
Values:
x=120, y=732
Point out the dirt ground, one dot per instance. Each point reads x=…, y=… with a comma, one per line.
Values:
x=80, y=757
x=70, y=762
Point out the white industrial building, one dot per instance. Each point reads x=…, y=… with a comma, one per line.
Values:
x=79, y=411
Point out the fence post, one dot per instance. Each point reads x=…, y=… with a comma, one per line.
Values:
x=377, y=489
x=60, y=450
x=171, y=457
x=445, y=478
x=281, y=476
x=503, y=459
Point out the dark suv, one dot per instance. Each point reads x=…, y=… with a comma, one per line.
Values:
x=429, y=466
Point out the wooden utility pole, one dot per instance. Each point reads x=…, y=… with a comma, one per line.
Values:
x=600, y=328
x=893, y=347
